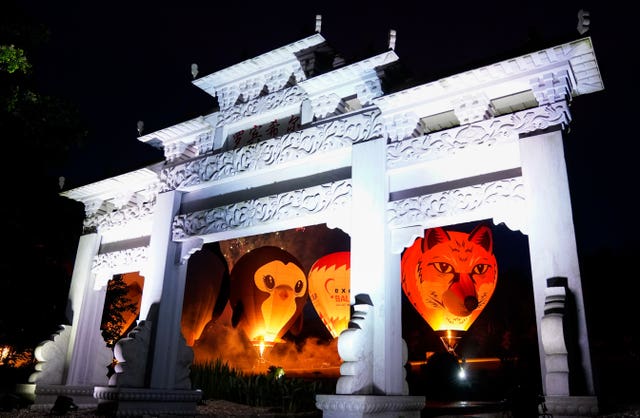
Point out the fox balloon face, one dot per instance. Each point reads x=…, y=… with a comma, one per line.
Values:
x=450, y=276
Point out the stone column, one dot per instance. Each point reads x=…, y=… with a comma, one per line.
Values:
x=552, y=246
x=376, y=349
x=75, y=359
x=154, y=375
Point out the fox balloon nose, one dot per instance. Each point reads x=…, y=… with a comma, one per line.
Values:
x=461, y=297
x=470, y=302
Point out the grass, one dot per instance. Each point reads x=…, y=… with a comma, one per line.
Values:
x=272, y=389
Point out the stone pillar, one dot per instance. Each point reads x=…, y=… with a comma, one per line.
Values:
x=552, y=246
x=75, y=359
x=162, y=385
x=380, y=387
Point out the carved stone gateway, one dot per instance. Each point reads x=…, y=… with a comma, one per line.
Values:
x=292, y=146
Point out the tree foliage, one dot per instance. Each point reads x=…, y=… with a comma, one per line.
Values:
x=41, y=228
x=117, y=305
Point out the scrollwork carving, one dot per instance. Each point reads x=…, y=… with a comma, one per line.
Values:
x=485, y=133
x=502, y=199
x=309, y=201
x=332, y=135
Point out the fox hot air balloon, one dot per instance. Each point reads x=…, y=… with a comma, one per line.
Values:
x=329, y=290
x=449, y=277
x=268, y=293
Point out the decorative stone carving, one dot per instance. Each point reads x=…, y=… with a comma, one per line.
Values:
x=355, y=346
x=189, y=247
x=326, y=105
x=324, y=137
x=552, y=87
x=504, y=199
x=368, y=91
x=112, y=219
x=360, y=406
x=131, y=355
x=261, y=105
x=471, y=108
x=106, y=265
x=310, y=201
x=486, y=133
x=50, y=357
x=183, y=365
x=552, y=336
x=401, y=126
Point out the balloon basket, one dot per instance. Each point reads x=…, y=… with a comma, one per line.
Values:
x=450, y=340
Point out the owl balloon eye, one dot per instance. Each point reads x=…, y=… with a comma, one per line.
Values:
x=299, y=286
x=269, y=281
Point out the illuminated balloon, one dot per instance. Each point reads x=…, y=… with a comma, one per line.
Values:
x=329, y=290
x=206, y=291
x=450, y=276
x=268, y=293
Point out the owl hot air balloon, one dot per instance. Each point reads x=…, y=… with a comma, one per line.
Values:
x=449, y=277
x=329, y=290
x=268, y=293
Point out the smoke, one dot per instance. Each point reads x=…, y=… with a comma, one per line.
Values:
x=309, y=357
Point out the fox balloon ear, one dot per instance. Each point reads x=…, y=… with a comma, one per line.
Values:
x=482, y=236
x=434, y=236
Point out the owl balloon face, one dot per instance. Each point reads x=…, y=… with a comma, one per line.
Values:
x=284, y=283
x=450, y=276
x=268, y=292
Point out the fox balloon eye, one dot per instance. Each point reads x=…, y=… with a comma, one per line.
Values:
x=480, y=268
x=442, y=267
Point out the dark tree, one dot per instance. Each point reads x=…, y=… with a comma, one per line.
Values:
x=116, y=305
x=40, y=228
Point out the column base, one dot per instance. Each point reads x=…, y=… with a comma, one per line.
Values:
x=360, y=406
x=571, y=406
x=46, y=396
x=120, y=401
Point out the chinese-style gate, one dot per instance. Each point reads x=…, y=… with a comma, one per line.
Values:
x=293, y=145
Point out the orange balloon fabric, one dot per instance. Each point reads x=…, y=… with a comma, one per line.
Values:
x=329, y=290
x=449, y=276
x=268, y=293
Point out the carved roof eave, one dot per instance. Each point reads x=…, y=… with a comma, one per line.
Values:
x=501, y=79
x=277, y=57
x=142, y=180
x=347, y=75
x=184, y=132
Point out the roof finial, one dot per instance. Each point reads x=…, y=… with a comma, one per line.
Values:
x=318, y=23
x=392, y=39
x=140, y=127
x=194, y=70
x=583, y=21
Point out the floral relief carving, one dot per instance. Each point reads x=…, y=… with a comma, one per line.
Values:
x=328, y=136
x=310, y=201
x=114, y=218
x=493, y=197
x=485, y=133
x=261, y=104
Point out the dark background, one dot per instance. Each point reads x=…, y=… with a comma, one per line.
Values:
x=125, y=62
